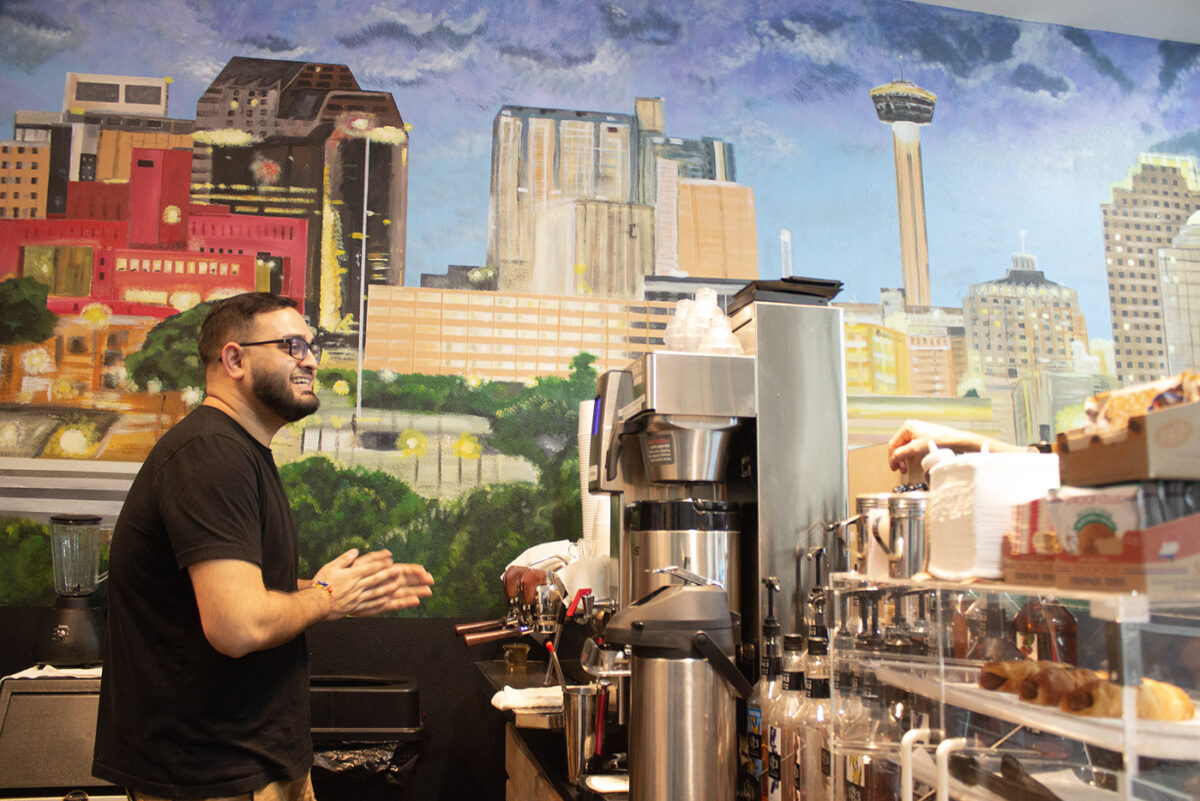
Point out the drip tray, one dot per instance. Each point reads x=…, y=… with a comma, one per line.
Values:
x=349, y=708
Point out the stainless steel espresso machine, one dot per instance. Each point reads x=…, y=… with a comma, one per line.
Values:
x=723, y=470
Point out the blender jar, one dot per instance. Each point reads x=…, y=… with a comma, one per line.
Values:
x=75, y=548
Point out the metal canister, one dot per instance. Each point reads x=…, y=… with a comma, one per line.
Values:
x=867, y=509
x=907, y=546
x=697, y=535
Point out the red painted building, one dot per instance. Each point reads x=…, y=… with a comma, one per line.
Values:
x=143, y=248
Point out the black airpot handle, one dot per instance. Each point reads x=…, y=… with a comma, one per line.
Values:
x=716, y=657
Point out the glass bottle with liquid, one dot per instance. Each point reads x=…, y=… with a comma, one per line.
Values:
x=760, y=706
x=816, y=762
x=849, y=717
x=994, y=645
x=785, y=729
x=1047, y=630
x=871, y=767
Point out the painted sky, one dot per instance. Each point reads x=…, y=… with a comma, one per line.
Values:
x=1033, y=124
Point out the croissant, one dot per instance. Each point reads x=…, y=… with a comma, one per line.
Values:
x=1156, y=700
x=1048, y=686
x=1005, y=676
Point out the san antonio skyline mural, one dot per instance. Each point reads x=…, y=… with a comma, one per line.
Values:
x=1034, y=124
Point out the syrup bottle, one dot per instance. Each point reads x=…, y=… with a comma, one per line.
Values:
x=994, y=645
x=1047, y=630
x=760, y=706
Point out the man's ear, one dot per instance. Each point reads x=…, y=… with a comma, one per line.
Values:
x=232, y=359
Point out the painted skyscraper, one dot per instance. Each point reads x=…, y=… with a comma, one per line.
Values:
x=1023, y=323
x=1147, y=211
x=1179, y=271
x=545, y=157
x=290, y=139
x=906, y=106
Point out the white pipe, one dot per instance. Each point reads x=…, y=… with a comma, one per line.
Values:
x=910, y=737
x=943, y=765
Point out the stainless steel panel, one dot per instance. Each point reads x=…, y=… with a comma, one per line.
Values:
x=682, y=746
x=669, y=382
x=802, y=470
x=686, y=448
x=711, y=554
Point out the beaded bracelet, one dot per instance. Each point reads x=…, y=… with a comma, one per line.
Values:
x=328, y=590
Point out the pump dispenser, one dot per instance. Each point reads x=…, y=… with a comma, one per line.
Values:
x=771, y=630
x=767, y=691
x=815, y=611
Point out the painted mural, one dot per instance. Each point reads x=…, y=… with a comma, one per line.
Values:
x=481, y=205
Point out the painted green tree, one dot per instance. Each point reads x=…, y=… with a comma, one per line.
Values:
x=464, y=542
x=24, y=318
x=26, y=568
x=170, y=355
x=338, y=508
x=23, y=313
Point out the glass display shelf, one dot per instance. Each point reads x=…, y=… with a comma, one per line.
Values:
x=919, y=646
x=1159, y=739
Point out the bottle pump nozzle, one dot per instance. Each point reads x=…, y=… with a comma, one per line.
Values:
x=817, y=555
x=771, y=631
x=815, y=613
x=770, y=623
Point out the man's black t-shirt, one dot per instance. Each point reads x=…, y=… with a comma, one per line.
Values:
x=177, y=718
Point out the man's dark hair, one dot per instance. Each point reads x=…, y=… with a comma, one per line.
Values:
x=232, y=320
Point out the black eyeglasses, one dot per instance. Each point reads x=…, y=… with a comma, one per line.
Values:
x=298, y=346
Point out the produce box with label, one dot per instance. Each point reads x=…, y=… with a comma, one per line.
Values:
x=1144, y=432
x=1160, y=561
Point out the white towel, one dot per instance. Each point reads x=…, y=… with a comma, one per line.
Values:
x=49, y=672
x=532, y=699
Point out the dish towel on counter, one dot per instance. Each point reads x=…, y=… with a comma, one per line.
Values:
x=48, y=672
x=970, y=508
x=531, y=699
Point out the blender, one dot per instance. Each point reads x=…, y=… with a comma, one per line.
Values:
x=76, y=632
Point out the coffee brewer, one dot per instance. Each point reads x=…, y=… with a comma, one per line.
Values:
x=722, y=470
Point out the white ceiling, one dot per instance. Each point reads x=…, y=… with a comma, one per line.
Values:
x=1178, y=20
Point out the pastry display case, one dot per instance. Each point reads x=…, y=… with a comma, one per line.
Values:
x=986, y=690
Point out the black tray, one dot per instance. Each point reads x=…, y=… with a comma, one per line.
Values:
x=793, y=289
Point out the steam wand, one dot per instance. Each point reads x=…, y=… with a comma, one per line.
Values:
x=553, y=663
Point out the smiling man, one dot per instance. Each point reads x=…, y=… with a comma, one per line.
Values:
x=205, y=685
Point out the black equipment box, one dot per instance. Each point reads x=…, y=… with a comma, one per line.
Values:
x=47, y=732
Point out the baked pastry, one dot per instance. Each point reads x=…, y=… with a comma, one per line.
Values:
x=1156, y=700
x=1005, y=676
x=1048, y=686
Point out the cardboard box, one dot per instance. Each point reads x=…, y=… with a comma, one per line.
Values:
x=1163, y=444
x=1035, y=569
x=1162, y=561
x=1088, y=520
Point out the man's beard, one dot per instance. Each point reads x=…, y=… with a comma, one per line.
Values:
x=276, y=395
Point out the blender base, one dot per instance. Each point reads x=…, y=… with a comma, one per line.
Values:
x=75, y=635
